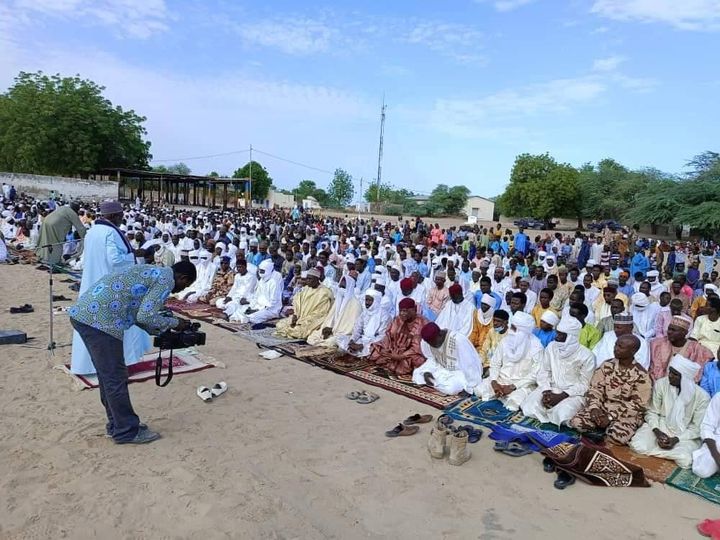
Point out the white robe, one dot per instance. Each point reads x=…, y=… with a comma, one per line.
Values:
x=455, y=366
x=644, y=319
x=658, y=415
x=266, y=301
x=521, y=373
x=369, y=328
x=570, y=375
x=457, y=317
x=703, y=464
x=203, y=283
x=243, y=287
x=105, y=253
x=605, y=350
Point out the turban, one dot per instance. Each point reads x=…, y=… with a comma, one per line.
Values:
x=590, y=262
x=570, y=326
x=640, y=300
x=523, y=322
x=110, y=207
x=653, y=273
x=550, y=318
x=711, y=287
x=407, y=283
x=380, y=281
x=542, y=253
x=623, y=318
x=488, y=300
x=407, y=303
x=680, y=322
x=430, y=332
x=455, y=289
x=688, y=370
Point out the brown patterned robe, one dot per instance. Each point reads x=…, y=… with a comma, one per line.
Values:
x=623, y=393
x=221, y=285
x=401, y=339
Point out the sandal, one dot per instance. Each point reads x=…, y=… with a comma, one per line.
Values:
x=516, y=449
x=445, y=420
x=474, y=434
x=204, y=393
x=367, y=397
x=563, y=480
x=353, y=395
x=548, y=465
x=61, y=298
x=500, y=446
x=26, y=308
x=401, y=430
x=219, y=389
x=418, y=419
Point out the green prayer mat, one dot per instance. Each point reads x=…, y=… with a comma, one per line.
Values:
x=708, y=488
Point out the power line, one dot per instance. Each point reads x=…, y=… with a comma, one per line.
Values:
x=293, y=162
x=201, y=157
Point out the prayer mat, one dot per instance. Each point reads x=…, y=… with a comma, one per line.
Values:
x=404, y=386
x=708, y=488
x=265, y=337
x=485, y=413
x=595, y=465
x=534, y=438
x=184, y=361
x=323, y=357
x=656, y=469
x=243, y=327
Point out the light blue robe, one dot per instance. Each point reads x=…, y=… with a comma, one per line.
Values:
x=104, y=253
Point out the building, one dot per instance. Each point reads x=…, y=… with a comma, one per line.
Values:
x=479, y=207
x=310, y=203
x=275, y=199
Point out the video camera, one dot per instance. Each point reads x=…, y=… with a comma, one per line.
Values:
x=180, y=340
x=171, y=340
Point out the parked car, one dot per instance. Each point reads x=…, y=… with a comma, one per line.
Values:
x=599, y=226
x=529, y=223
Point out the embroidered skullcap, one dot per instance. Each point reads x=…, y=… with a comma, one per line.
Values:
x=314, y=273
x=613, y=283
x=623, y=318
x=680, y=322
x=569, y=325
x=455, y=289
x=441, y=274
x=550, y=318
x=430, y=332
x=110, y=207
x=407, y=283
x=639, y=299
x=225, y=259
x=407, y=303
x=487, y=300
x=524, y=280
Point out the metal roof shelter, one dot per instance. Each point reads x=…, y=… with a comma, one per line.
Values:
x=180, y=189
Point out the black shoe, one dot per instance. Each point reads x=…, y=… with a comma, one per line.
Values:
x=141, y=427
x=548, y=465
x=597, y=436
x=563, y=480
x=143, y=436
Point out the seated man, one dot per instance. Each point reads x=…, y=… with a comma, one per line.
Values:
x=482, y=322
x=311, y=305
x=369, y=327
x=662, y=349
x=244, y=284
x=618, y=396
x=222, y=282
x=205, y=274
x=607, y=324
x=457, y=315
x=514, y=364
x=341, y=319
x=399, y=350
x=673, y=418
x=589, y=335
x=452, y=364
x=564, y=377
x=644, y=314
x=707, y=327
x=546, y=333
x=706, y=459
x=266, y=301
x=437, y=296
x=605, y=348
x=542, y=306
x=500, y=323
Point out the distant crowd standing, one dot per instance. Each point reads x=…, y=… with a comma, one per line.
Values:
x=611, y=334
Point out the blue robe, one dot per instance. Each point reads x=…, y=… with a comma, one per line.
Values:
x=545, y=336
x=639, y=263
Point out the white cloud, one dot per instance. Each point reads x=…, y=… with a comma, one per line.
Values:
x=458, y=41
x=682, y=14
x=292, y=36
x=608, y=64
x=135, y=18
x=506, y=5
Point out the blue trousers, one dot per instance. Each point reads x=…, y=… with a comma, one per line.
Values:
x=106, y=353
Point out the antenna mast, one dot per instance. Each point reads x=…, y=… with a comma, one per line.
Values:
x=380, y=149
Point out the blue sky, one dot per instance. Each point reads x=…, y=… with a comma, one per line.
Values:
x=469, y=84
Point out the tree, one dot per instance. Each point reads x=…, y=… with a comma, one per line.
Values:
x=177, y=168
x=341, y=189
x=542, y=188
x=64, y=125
x=261, y=180
x=307, y=188
x=213, y=174
x=446, y=200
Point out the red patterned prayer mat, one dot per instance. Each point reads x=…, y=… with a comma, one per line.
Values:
x=322, y=357
x=184, y=361
x=404, y=386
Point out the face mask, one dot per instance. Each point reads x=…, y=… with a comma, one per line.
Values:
x=500, y=329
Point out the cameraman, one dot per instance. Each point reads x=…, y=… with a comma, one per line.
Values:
x=131, y=296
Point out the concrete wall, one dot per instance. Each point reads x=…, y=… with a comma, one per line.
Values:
x=480, y=208
x=72, y=188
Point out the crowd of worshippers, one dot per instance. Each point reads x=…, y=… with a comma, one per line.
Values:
x=612, y=335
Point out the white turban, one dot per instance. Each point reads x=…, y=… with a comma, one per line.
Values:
x=688, y=370
x=488, y=300
x=640, y=300
x=523, y=322
x=550, y=318
x=570, y=326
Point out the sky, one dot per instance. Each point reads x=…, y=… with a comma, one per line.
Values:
x=468, y=84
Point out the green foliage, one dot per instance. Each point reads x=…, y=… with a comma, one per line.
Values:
x=447, y=200
x=341, y=189
x=307, y=188
x=64, y=125
x=541, y=188
x=261, y=180
x=177, y=168
x=213, y=174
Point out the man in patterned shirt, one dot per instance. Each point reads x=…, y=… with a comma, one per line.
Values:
x=132, y=296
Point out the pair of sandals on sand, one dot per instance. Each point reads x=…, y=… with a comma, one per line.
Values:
x=409, y=426
x=208, y=394
x=363, y=397
x=25, y=308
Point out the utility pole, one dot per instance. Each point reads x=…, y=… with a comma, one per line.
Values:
x=248, y=201
x=361, y=196
x=380, y=149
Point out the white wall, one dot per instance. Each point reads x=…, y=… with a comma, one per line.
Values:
x=72, y=188
x=480, y=208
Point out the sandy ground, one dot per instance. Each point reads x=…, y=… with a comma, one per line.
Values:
x=281, y=455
